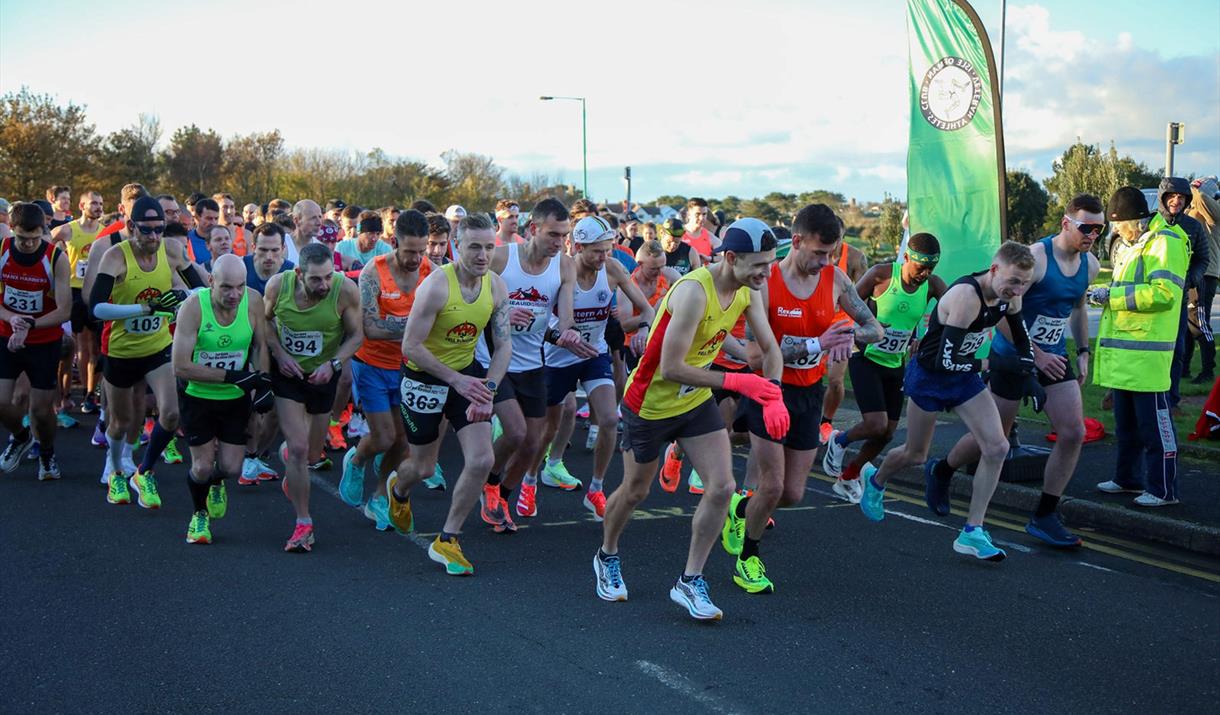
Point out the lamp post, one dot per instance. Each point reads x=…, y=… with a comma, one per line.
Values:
x=584, y=137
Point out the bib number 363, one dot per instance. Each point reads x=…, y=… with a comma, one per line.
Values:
x=423, y=398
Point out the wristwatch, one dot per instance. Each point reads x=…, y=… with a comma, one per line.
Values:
x=1082, y=351
x=491, y=385
x=336, y=365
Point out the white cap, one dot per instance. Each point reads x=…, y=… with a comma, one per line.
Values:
x=455, y=213
x=592, y=229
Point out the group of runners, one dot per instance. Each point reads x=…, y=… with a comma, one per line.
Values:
x=708, y=334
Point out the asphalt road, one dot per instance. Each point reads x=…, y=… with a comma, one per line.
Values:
x=108, y=610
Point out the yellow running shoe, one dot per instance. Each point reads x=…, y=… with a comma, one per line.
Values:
x=400, y=510
x=145, y=487
x=751, y=575
x=218, y=501
x=450, y=554
x=118, y=493
x=198, y=532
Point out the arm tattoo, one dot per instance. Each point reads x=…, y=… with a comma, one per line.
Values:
x=499, y=322
x=868, y=330
x=792, y=350
x=368, y=305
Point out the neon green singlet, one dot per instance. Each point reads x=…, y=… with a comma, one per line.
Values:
x=224, y=346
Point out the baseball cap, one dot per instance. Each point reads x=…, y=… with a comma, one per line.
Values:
x=673, y=227
x=628, y=217
x=45, y=205
x=144, y=204
x=747, y=235
x=592, y=229
x=335, y=205
x=455, y=213
x=5, y=206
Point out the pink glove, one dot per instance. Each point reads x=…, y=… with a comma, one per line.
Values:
x=775, y=417
x=759, y=389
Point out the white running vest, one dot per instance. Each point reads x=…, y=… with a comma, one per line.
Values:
x=590, y=311
x=535, y=293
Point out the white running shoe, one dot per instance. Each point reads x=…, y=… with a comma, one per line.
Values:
x=850, y=489
x=357, y=426
x=1147, y=499
x=832, y=462
x=609, y=576
x=694, y=598
x=1113, y=487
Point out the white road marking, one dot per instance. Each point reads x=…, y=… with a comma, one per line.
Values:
x=680, y=683
x=332, y=490
x=1095, y=566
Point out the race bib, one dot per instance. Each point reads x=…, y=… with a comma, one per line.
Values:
x=223, y=359
x=143, y=325
x=306, y=343
x=423, y=398
x=22, y=301
x=82, y=265
x=1047, y=330
x=592, y=333
x=894, y=341
x=972, y=342
x=684, y=390
x=805, y=361
x=538, y=318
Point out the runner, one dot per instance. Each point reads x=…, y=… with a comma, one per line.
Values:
x=669, y=396
x=654, y=279
x=945, y=376
x=851, y=261
x=900, y=293
x=801, y=299
x=442, y=379
x=314, y=318
x=34, y=277
x=539, y=281
x=220, y=348
x=438, y=239
x=387, y=291
x=508, y=214
x=76, y=238
x=60, y=198
x=678, y=255
x=596, y=282
x=138, y=286
x=234, y=223
x=697, y=235
x=1063, y=270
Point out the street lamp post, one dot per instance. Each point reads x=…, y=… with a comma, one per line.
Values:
x=584, y=137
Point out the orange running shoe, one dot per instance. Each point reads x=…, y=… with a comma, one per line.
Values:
x=671, y=469
x=334, y=437
x=596, y=503
x=825, y=432
x=493, y=509
x=527, y=504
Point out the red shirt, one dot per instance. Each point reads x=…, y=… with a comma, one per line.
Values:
x=29, y=290
x=795, y=320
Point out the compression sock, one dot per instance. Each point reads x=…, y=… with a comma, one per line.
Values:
x=156, y=444
x=749, y=548
x=530, y=479
x=943, y=471
x=199, y=493
x=1046, y=505
x=493, y=478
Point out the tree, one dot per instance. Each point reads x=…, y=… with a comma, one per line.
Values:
x=761, y=210
x=1026, y=207
x=318, y=174
x=129, y=155
x=249, y=166
x=1085, y=169
x=671, y=200
x=475, y=180
x=42, y=144
x=889, y=228
x=832, y=199
x=193, y=161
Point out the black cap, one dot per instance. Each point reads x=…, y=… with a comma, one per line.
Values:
x=335, y=205
x=673, y=227
x=145, y=204
x=1126, y=204
x=46, y=207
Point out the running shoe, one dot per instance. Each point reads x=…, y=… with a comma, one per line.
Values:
x=867, y=471
x=90, y=405
x=147, y=433
x=357, y=426
x=751, y=575
x=582, y=413
x=1050, y=529
x=145, y=487
x=596, y=503
x=171, y=455
x=400, y=511
x=591, y=440
x=977, y=543
x=323, y=464
x=105, y=480
x=249, y=472
x=1113, y=487
x=351, y=484
x=492, y=507
x=694, y=483
x=527, y=502
x=14, y=452
x=825, y=431
x=935, y=493
x=450, y=554
x=508, y=526
x=608, y=575
x=199, y=531
x=437, y=480
x=66, y=421
x=218, y=501
x=871, y=501
x=693, y=596
x=832, y=461
x=559, y=477
x=48, y=469
x=497, y=429
x=1150, y=500
x=377, y=510
x=301, y=541
x=849, y=489
x=671, y=469
x=34, y=453
x=99, y=436
x=734, y=532
x=334, y=437
x=117, y=493
x=265, y=472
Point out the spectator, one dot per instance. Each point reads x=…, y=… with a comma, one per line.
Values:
x=1205, y=209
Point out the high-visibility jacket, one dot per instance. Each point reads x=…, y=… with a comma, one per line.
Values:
x=1139, y=324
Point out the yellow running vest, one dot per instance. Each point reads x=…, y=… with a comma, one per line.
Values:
x=78, y=252
x=147, y=334
x=458, y=324
x=653, y=397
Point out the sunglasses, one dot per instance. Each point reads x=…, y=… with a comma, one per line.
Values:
x=1087, y=229
x=150, y=230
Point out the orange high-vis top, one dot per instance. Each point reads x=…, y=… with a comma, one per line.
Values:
x=794, y=321
x=393, y=306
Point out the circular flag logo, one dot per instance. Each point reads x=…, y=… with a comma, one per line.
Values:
x=950, y=94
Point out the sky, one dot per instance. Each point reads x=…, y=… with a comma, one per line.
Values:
x=699, y=98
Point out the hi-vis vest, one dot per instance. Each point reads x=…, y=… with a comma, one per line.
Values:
x=1139, y=326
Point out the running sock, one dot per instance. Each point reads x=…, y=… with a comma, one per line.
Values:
x=604, y=556
x=446, y=536
x=842, y=440
x=530, y=479
x=553, y=462
x=22, y=436
x=114, y=456
x=943, y=472
x=1046, y=505
x=689, y=578
x=199, y=493
x=749, y=548
x=493, y=478
x=307, y=521
x=595, y=484
x=969, y=528
x=850, y=472
x=505, y=492
x=826, y=420
x=45, y=452
x=156, y=445
x=873, y=480
x=740, y=511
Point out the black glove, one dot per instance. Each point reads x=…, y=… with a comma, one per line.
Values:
x=1027, y=365
x=168, y=301
x=248, y=380
x=263, y=401
x=1034, y=392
